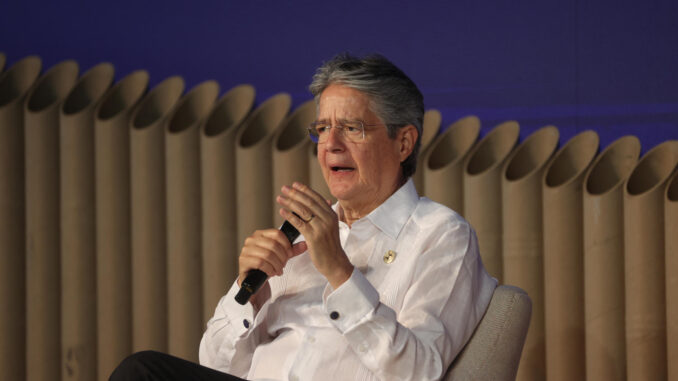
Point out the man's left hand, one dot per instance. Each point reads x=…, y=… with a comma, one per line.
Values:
x=319, y=224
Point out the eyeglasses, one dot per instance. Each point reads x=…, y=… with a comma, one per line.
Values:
x=352, y=130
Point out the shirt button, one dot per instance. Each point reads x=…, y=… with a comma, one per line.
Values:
x=362, y=348
x=246, y=323
x=311, y=339
x=294, y=377
x=334, y=315
x=389, y=256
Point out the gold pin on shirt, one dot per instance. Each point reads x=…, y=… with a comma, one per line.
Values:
x=389, y=256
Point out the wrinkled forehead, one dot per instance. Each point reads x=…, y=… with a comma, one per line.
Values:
x=341, y=103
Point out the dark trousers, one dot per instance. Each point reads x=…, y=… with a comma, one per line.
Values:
x=152, y=365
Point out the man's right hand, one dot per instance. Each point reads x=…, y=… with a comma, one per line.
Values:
x=267, y=250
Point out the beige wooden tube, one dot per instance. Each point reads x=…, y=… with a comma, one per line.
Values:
x=112, y=189
x=603, y=228
x=564, y=258
x=522, y=242
x=482, y=192
x=43, y=295
x=220, y=247
x=444, y=163
x=644, y=263
x=14, y=85
x=118, y=273
x=430, y=127
x=184, y=265
x=149, y=240
x=671, y=244
x=253, y=165
x=78, y=233
x=290, y=147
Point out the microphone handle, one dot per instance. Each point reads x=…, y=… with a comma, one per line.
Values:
x=256, y=278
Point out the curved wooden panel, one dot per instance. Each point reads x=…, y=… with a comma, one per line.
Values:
x=603, y=228
x=564, y=258
x=290, y=149
x=78, y=233
x=220, y=247
x=148, y=225
x=523, y=237
x=430, y=127
x=670, y=229
x=644, y=263
x=15, y=84
x=113, y=236
x=43, y=290
x=184, y=264
x=253, y=161
x=482, y=192
x=444, y=163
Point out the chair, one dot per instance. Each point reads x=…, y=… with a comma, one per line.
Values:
x=493, y=351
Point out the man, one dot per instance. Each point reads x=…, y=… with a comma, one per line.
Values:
x=383, y=284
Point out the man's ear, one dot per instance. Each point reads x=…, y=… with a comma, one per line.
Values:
x=407, y=137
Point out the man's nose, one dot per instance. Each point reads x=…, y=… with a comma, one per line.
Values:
x=335, y=139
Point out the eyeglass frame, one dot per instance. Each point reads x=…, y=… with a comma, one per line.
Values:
x=315, y=137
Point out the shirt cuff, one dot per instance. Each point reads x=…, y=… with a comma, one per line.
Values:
x=351, y=302
x=241, y=317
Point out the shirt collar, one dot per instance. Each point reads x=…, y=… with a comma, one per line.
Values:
x=392, y=214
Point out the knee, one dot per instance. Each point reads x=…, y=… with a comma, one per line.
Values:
x=134, y=366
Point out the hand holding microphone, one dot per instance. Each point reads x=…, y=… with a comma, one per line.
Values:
x=266, y=252
x=256, y=278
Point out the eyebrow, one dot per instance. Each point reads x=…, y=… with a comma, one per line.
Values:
x=340, y=121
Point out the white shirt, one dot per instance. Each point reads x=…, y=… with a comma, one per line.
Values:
x=403, y=320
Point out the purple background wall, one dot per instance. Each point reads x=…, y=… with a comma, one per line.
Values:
x=604, y=65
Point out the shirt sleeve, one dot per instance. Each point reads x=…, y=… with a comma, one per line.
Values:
x=231, y=336
x=447, y=297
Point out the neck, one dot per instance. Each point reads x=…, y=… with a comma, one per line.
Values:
x=350, y=214
x=351, y=211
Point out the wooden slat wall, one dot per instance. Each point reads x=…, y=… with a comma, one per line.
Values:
x=44, y=359
x=78, y=230
x=135, y=206
x=564, y=258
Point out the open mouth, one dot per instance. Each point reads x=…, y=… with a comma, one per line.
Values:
x=341, y=169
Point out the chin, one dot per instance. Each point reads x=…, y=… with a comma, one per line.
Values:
x=342, y=191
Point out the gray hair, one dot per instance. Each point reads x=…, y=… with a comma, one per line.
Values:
x=394, y=98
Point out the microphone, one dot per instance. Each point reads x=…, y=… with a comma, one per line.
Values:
x=256, y=278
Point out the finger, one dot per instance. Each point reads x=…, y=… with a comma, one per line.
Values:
x=280, y=238
x=259, y=248
x=309, y=203
x=322, y=207
x=248, y=263
x=310, y=192
x=274, y=241
x=266, y=254
x=295, y=220
x=299, y=248
x=300, y=210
